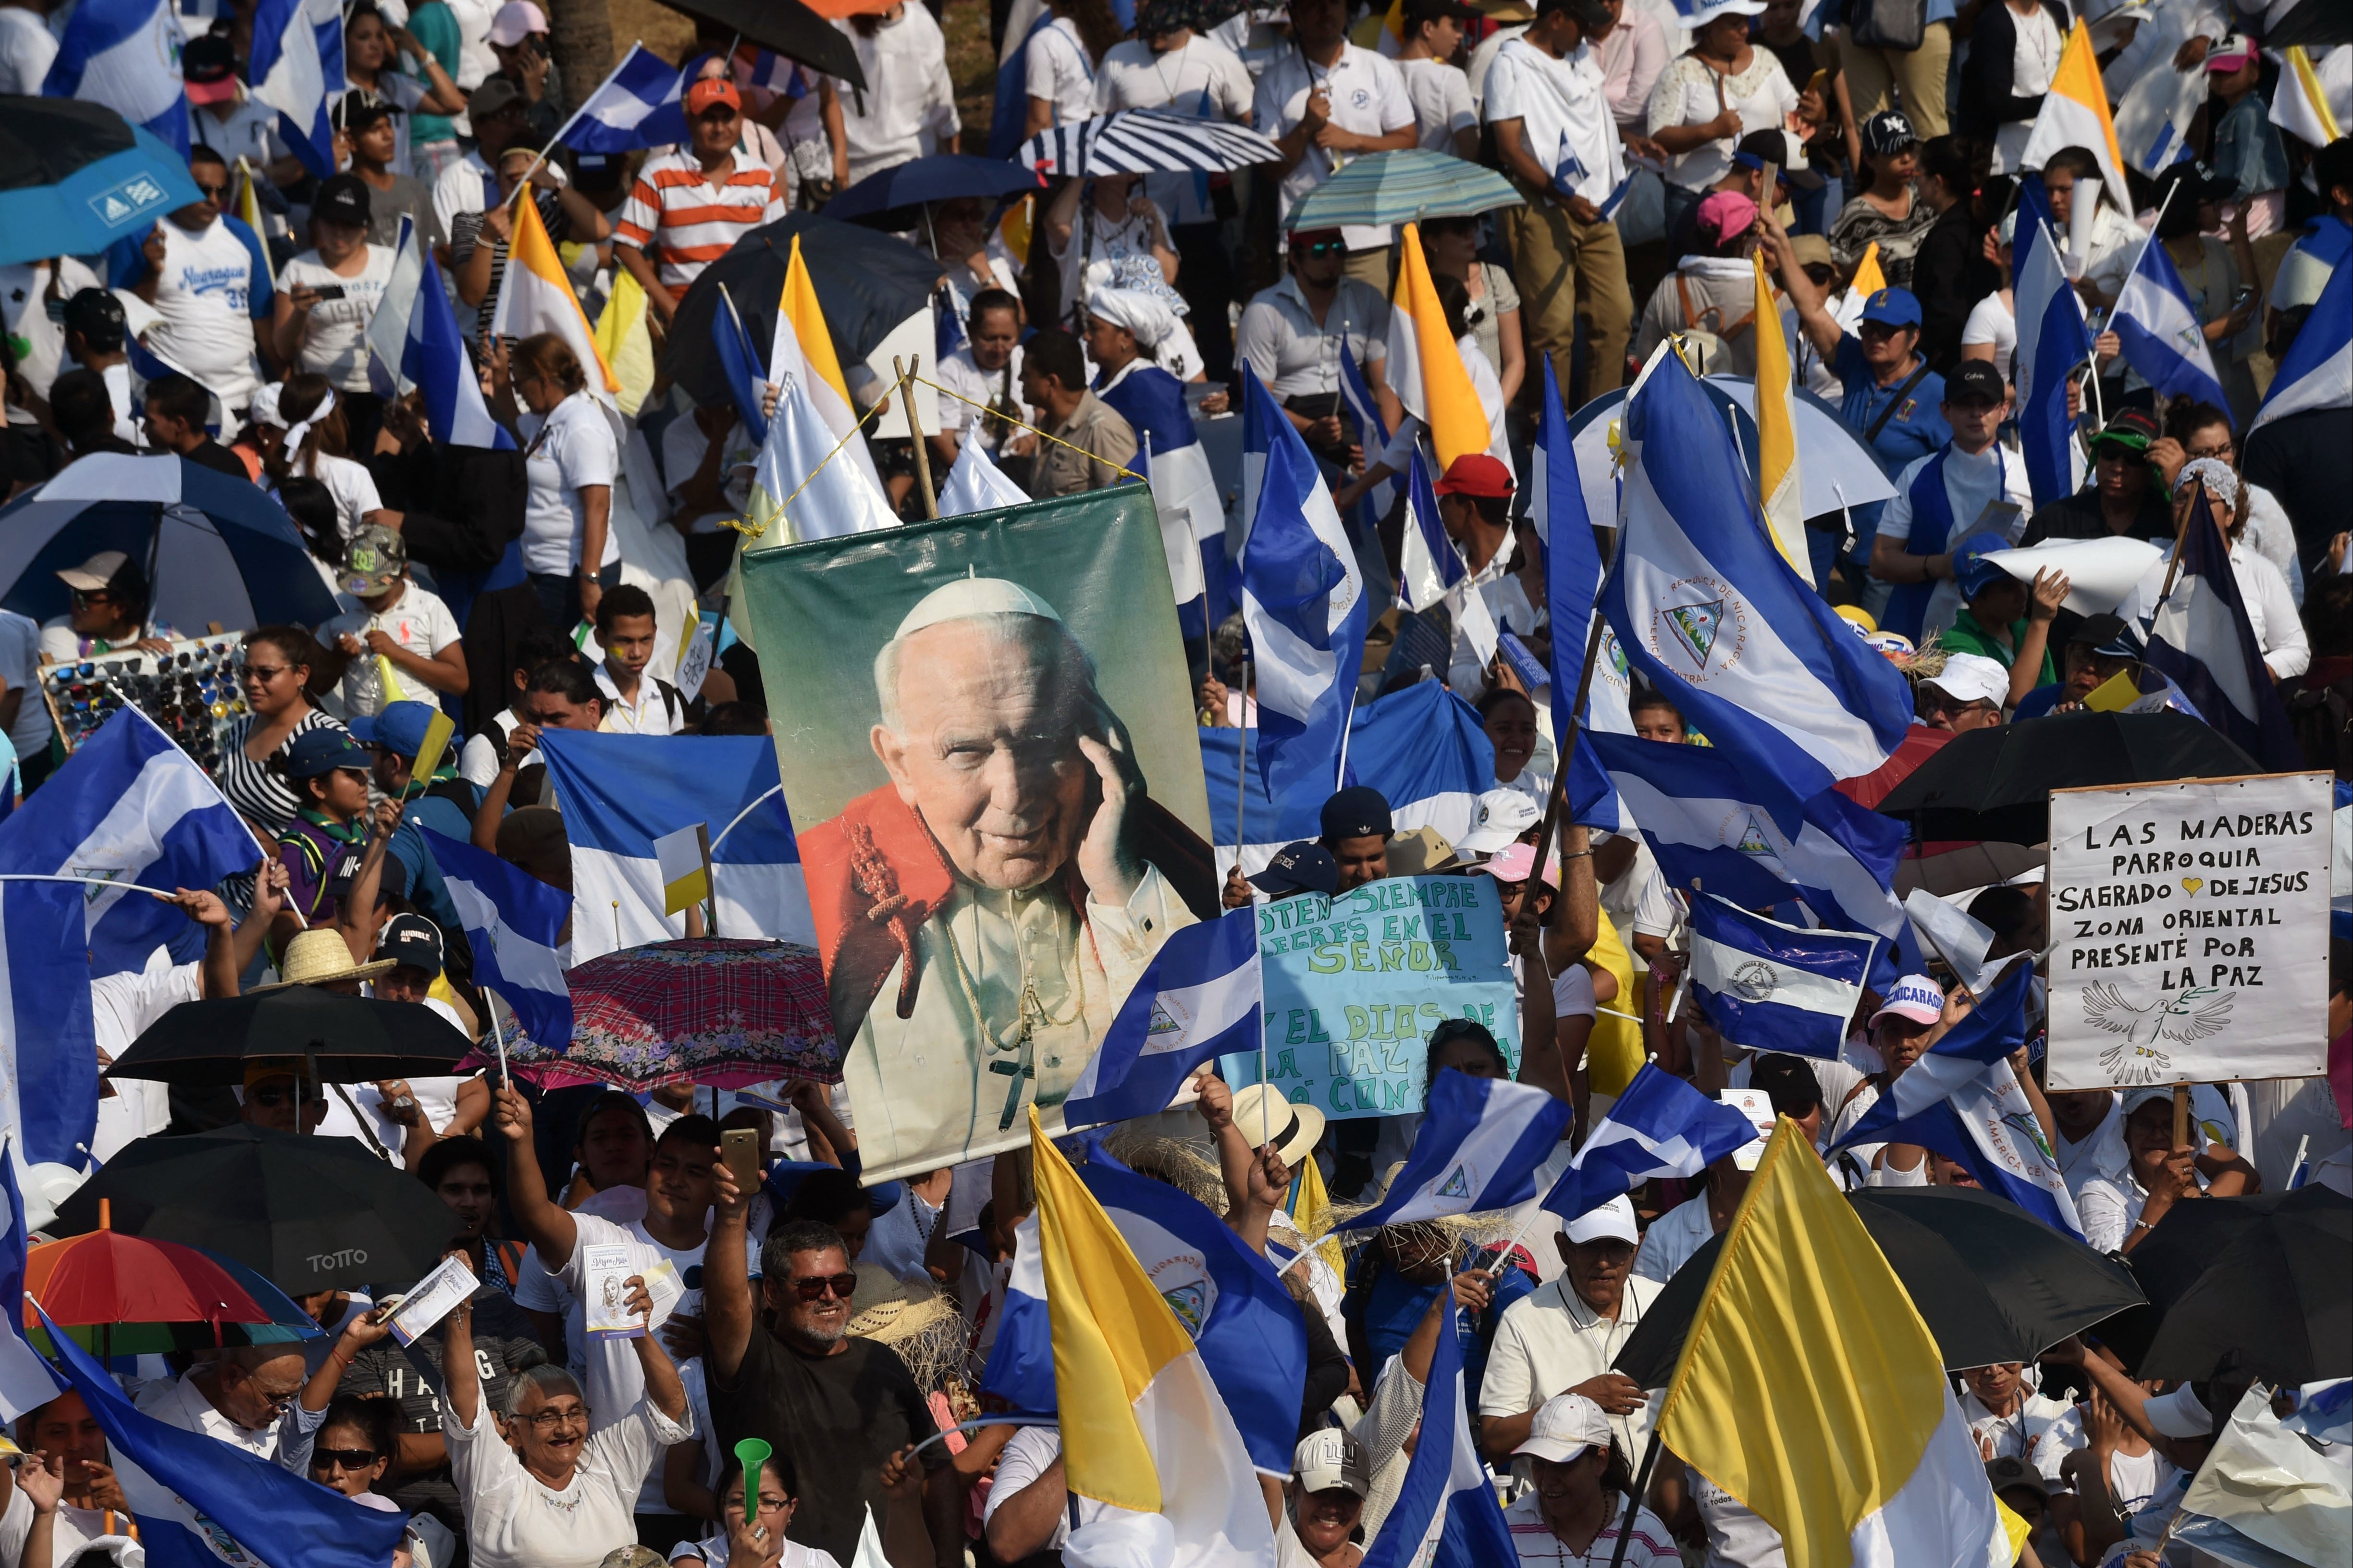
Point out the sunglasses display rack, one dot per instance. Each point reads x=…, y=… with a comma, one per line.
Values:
x=191, y=690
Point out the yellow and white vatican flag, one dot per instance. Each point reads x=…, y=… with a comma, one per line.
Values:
x=1425, y=367
x=1777, y=433
x=2315, y=100
x=535, y=296
x=802, y=350
x=1810, y=1391
x=1144, y=1432
x=2074, y=113
x=626, y=342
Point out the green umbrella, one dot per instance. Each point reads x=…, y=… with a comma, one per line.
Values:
x=1403, y=187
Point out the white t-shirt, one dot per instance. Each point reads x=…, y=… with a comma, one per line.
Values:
x=2034, y=61
x=1563, y=108
x=248, y=130
x=477, y=764
x=206, y=295
x=908, y=104
x=352, y=486
x=1203, y=78
x=1440, y=95
x=514, y=1522
x=337, y=344
x=75, y=1527
x=20, y=667
x=571, y=447
x=121, y=1006
x=362, y=1120
x=1688, y=93
x=1993, y=320
x=1671, y=1239
x=1971, y=485
x=1057, y=69
x=960, y=375
x=417, y=621
x=1368, y=96
x=1030, y=1452
x=28, y=49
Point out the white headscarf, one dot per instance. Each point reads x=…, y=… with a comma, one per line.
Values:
x=302, y=428
x=1145, y=314
x=2221, y=482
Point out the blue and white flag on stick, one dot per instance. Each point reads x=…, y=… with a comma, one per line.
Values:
x=1373, y=435
x=1716, y=827
x=2202, y=640
x=49, y=1052
x=1304, y=604
x=1572, y=583
x=1020, y=1370
x=1773, y=987
x=636, y=106
x=621, y=792
x=1659, y=1127
x=1446, y=1515
x=129, y=807
x=25, y=1381
x=1198, y=998
x=2163, y=335
x=741, y=365
x=1962, y=1100
x=2324, y=1410
x=512, y=921
x=1432, y=570
x=125, y=54
x=2053, y=340
x=433, y=359
x=1478, y=1147
x=288, y=76
x=2317, y=372
x=1709, y=613
x=199, y=1501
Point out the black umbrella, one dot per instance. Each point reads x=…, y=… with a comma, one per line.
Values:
x=867, y=283
x=1993, y=1283
x=306, y=1213
x=2274, y=1300
x=2314, y=23
x=347, y=1039
x=787, y=26
x=1996, y=783
x=893, y=199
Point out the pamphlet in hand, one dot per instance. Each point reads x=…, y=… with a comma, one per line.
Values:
x=605, y=1271
x=434, y=1298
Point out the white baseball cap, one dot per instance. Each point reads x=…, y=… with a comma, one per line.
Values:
x=1614, y=1221
x=1331, y=1459
x=515, y=21
x=1973, y=678
x=1503, y=815
x=1565, y=1426
x=1916, y=997
x=2179, y=1413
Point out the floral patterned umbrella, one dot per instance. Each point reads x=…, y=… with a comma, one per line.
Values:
x=717, y=1011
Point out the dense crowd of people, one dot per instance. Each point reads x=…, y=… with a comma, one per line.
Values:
x=1658, y=153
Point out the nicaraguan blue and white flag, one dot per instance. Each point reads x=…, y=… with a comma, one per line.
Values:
x=129, y=807
x=1183, y=493
x=2324, y=1410
x=387, y=330
x=636, y=106
x=1961, y=1099
x=433, y=359
x=1422, y=748
x=1659, y=1127
x=2163, y=336
x=199, y=1501
x=1304, y=604
x=1572, y=584
x=25, y=1381
x=125, y=54
x=48, y=1055
x=1478, y=1147
x=512, y=921
x=2317, y=372
x=327, y=27
x=1707, y=609
x=1373, y=435
x=1772, y=987
x=1446, y=1515
x=1429, y=565
x=2053, y=340
x=741, y=365
x=1959, y=939
x=2203, y=641
x=1252, y=1340
x=1198, y=998
x=976, y=484
x=288, y=76
x=621, y=792
x=1716, y=827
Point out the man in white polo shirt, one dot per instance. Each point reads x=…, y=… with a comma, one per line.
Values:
x=1562, y=1337
x=1325, y=101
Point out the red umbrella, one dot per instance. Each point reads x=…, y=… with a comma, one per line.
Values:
x=108, y=1279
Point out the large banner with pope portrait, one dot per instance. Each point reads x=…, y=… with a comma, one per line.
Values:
x=986, y=736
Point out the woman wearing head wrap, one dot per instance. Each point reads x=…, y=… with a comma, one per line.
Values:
x=1126, y=328
x=2271, y=611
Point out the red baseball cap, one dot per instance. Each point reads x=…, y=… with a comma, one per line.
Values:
x=1475, y=473
x=712, y=89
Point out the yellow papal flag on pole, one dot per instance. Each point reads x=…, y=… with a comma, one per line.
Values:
x=1868, y=278
x=1810, y=1391
x=535, y=296
x=1426, y=369
x=1143, y=1430
x=803, y=350
x=1776, y=434
x=2074, y=113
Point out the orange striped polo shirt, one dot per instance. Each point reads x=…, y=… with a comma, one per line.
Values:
x=685, y=222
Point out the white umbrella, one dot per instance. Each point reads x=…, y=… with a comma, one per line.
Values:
x=2100, y=572
x=1144, y=142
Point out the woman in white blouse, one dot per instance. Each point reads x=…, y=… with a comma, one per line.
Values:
x=2118, y=1212
x=2271, y=611
x=571, y=458
x=1059, y=73
x=1705, y=100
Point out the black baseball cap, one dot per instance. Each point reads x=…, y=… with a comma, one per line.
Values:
x=342, y=199
x=1301, y=867
x=2203, y=183
x=1974, y=381
x=1358, y=811
x=413, y=940
x=98, y=316
x=1416, y=12
x=357, y=110
x=2098, y=630
x=207, y=62
x=1888, y=133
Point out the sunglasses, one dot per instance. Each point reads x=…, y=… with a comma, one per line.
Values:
x=217, y=192
x=90, y=595
x=342, y=1458
x=1320, y=247
x=815, y=1288
x=270, y=1100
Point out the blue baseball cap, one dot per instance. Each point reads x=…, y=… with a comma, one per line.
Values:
x=400, y=728
x=322, y=751
x=1972, y=573
x=1301, y=867
x=1892, y=307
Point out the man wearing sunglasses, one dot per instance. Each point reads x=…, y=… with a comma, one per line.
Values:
x=236, y=1395
x=781, y=1367
x=109, y=614
x=208, y=278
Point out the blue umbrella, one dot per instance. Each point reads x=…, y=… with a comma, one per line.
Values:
x=942, y=177
x=75, y=178
x=216, y=548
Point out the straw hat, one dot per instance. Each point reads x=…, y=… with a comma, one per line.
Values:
x=1291, y=1129
x=319, y=957
x=915, y=1320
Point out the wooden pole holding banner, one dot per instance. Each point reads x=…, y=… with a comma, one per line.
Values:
x=2181, y=1117
x=906, y=374
x=2180, y=537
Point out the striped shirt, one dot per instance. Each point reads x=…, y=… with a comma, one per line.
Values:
x=1651, y=1547
x=685, y=221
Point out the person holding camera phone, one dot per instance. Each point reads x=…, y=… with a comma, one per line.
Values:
x=326, y=297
